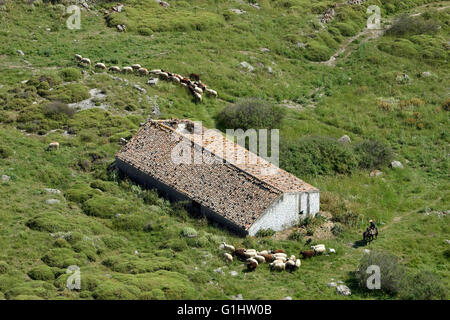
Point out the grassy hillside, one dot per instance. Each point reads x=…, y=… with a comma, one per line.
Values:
x=131, y=244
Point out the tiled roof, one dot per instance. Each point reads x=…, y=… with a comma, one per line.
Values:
x=240, y=192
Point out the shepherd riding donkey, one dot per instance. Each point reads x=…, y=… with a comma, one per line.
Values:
x=371, y=232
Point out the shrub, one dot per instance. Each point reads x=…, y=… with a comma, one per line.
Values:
x=112, y=290
x=189, y=232
x=5, y=152
x=264, y=233
x=70, y=93
x=104, y=206
x=423, y=286
x=49, y=222
x=114, y=242
x=250, y=114
x=391, y=272
x=3, y=267
x=338, y=229
x=348, y=218
x=58, y=110
x=80, y=193
x=446, y=104
x=296, y=235
x=317, y=156
x=373, y=154
x=346, y=29
x=70, y=74
x=61, y=258
x=42, y=272
x=317, y=51
x=407, y=25
x=131, y=222
x=151, y=197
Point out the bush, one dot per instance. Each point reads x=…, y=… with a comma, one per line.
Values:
x=3, y=267
x=391, y=272
x=317, y=51
x=5, y=152
x=317, y=156
x=250, y=114
x=131, y=222
x=189, y=232
x=80, y=193
x=264, y=233
x=49, y=222
x=338, y=229
x=151, y=197
x=62, y=258
x=296, y=235
x=112, y=290
x=446, y=104
x=423, y=286
x=373, y=154
x=42, y=272
x=69, y=93
x=104, y=206
x=58, y=110
x=70, y=74
x=346, y=29
x=348, y=218
x=407, y=25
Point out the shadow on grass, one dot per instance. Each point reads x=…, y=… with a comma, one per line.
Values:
x=359, y=243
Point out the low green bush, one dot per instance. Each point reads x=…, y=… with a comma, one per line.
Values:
x=42, y=272
x=80, y=193
x=106, y=206
x=49, y=222
x=347, y=218
x=373, y=154
x=391, y=272
x=189, y=232
x=317, y=51
x=58, y=110
x=264, y=233
x=317, y=156
x=296, y=235
x=62, y=258
x=251, y=114
x=5, y=151
x=135, y=222
x=409, y=25
x=424, y=285
x=3, y=267
x=113, y=290
x=338, y=229
x=70, y=74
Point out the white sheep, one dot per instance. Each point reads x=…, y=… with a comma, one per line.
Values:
x=156, y=71
x=198, y=90
x=100, y=65
x=227, y=247
x=298, y=263
x=252, y=264
x=318, y=249
x=78, y=57
x=53, y=145
x=278, y=266
x=114, y=69
x=136, y=66
x=331, y=250
x=174, y=79
x=198, y=96
x=85, y=61
x=142, y=71
x=260, y=259
x=127, y=69
x=263, y=252
x=292, y=258
x=228, y=257
x=211, y=92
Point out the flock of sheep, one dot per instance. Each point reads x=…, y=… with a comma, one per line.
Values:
x=278, y=260
x=193, y=83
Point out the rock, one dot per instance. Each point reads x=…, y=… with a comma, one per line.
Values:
x=343, y=290
x=48, y=29
x=152, y=81
x=426, y=74
x=139, y=88
x=396, y=164
x=287, y=298
x=301, y=45
x=448, y=241
x=6, y=178
x=121, y=27
x=52, y=191
x=265, y=49
x=376, y=173
x=237, y=297
x=219, y=270
x=269, y=69
x=366, y=251
x=136, y=252
x=238, y=11
x=117, y=215
x=233, y=273
x=163, y=3
x=344, y=139
x=332, y=285
x=20, y=52
x=246, y=65
x=52, y=201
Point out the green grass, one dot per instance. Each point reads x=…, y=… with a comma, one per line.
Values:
x=129, y=243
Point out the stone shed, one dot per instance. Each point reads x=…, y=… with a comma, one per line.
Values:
x=241, y=195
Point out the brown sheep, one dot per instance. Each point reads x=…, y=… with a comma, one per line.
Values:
x=268, y=257
x=279, y=251
x=194, y=76
x=240, y=253
x=307, y=254
x=252, y=264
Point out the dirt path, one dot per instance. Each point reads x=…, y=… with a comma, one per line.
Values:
x=372, y=34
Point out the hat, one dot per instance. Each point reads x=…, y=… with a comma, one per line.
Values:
x=371, y=220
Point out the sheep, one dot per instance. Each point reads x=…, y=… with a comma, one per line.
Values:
x=78, y=57
x=211, y=92
x=307, y=253
x=198, y=90
x=240, y=253
x=228, y=257
x=280, y=255
x=100, y=65
x=114, y=69
x=142, y=71
x=250, y=253
x=319, y=249
x=164, y=75
x=127, y=69
x=292, y=258
x=136, y=66
x=156, y=71
x=260, y=259
x=283, y=259
x=227, y=247
x=174, y=79
x=198, y=96
x=53, y=145
x=268, y=257
x=279, y=251
x=194, y=76
x=293, y=265
x=298, y=263
x=85, y=61
x=278, y=266
x=252, y=264
x=263, y=252
x=331, y=250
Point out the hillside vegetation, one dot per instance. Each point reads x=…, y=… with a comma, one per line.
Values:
x=388, y=93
